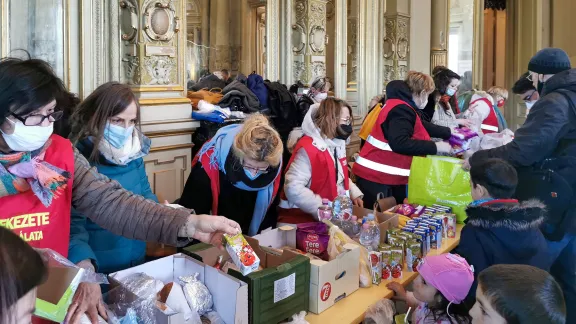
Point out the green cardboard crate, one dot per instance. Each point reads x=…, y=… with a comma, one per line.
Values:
x=275, y=293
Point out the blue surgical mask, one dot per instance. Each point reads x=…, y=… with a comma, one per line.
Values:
x=116, y=135
x=252, y=176
x=450, y=92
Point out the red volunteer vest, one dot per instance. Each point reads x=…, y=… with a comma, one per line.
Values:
x=40, y=226
x=213, y=173
x=490, y=124
x=377, y=162
x=322, y=183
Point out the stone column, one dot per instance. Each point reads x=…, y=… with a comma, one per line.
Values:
x=340, y=43
x=396, y=40
x=309, y=40
x=439, y=33
x=286, y=53
x=272, y=40
x=352, y=44
x=220, y=35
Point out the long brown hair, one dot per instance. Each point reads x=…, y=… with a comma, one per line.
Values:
x=89, y=119
x=327, y=117
x=21, y=270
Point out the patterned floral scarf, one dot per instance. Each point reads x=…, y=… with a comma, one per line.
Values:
x=23, y=171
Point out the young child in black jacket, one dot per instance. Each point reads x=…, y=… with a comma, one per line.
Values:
x=499, y=229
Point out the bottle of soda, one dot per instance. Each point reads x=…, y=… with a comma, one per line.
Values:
x=325, y=211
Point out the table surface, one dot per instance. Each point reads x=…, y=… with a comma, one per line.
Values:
x=352, y=308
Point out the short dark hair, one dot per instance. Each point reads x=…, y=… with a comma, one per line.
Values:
x=28, y=85
x=89, y=119
x=496, y=175
x=523, y=294
x=21, y=270
x=224, y=71
x=523, y=84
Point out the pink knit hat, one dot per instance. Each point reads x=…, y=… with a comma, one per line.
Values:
x=450, y=274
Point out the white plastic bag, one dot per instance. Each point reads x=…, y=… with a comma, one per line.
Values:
x=299, y=318
x=380, y=313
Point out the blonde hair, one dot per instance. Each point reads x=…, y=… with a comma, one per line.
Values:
x=498, y=91
x=420, y=82
x=327, y=117
x=259, y=141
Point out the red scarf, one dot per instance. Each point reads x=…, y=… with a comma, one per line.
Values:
x=445, y=100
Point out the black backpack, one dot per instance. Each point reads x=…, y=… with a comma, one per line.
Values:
x=282, y=105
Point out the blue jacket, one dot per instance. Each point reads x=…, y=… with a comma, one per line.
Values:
x=256, y=84
x=109, y=252
x=504, y=232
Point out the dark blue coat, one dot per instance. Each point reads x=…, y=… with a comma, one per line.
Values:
x=504, y=232
x=109, y=252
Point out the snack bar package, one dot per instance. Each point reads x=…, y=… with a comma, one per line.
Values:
x=313, y=238
x=242, y=253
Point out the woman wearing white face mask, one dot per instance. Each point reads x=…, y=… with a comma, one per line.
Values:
x=42, y=176
x=447, y=111
x=318, y=91
x=104, y=132
x=398, y=134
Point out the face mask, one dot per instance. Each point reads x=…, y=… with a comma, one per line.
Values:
x=540, y=87
x=27, y=138
x=252, y=176
x=500, y=103
x=117, y=135
x=343, y=132
x=321, y=96
x=529, y=106
x=450, y=92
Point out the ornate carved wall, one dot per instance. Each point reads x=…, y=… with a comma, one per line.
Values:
x=309, y=40
x=395, y=51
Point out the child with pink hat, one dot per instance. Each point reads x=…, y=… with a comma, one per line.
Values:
x=439, y=290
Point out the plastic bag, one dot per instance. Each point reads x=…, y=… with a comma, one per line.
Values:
x=57, y=313
x=380, y=313
x=440, y=180
x=489, y=141
x=336, y=246
x=135, y=299
x=299, y=318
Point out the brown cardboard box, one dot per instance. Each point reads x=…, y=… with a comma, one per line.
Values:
x=386, y=220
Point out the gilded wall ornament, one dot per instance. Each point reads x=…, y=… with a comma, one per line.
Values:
x=160, y=20
x=160, y=70
x=129, y=20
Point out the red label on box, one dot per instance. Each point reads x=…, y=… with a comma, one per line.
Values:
x=312, y=237
x=325, y=291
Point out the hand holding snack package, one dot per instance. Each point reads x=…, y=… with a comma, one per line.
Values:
x=336, y=246
x=242, y=253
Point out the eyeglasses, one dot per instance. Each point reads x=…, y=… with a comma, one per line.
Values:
x=347, y=121
x=35, y=120
x=262, y=171
x=529, y=97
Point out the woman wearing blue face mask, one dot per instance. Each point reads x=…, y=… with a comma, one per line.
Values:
x=104, y=130
x=237, y=173
x=446, y=111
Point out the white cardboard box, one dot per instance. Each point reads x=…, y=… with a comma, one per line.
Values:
x=329, y=281
x=230, y=295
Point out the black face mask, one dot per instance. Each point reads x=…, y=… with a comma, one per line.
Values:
x=343, y=132
x=540, y=87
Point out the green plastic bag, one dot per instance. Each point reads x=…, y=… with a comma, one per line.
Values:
x=440, y=180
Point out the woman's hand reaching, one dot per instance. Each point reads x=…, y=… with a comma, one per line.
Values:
x=209, y=229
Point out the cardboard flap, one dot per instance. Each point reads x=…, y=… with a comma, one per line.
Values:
x=58, y=281
x=268, y=260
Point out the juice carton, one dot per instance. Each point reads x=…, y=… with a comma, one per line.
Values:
x=398, y=242
x=386, y=262
x=442, y=221
x=451, y=225
x=396, y=255
x=375, y=259
x=242, y=253
x=413, y=255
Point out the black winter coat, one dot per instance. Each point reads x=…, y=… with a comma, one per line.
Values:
x=209, y=82
x=398, y=127
x=548, y=135
x=302, y=107
x=501, y=232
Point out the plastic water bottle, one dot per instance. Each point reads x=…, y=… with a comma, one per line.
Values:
x=351, y=227
x=374, y=229
x=342, y=207
x=366, y=237
x=325, y=211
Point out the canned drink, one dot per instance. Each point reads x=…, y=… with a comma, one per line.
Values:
x=451, y=224
x=375, y=259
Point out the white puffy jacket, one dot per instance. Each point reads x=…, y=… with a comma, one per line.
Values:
x=299, y=175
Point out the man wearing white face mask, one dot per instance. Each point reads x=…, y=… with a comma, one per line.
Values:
x=42, y=176
x=318, y=91
x=544, y=154
x=524, y=88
